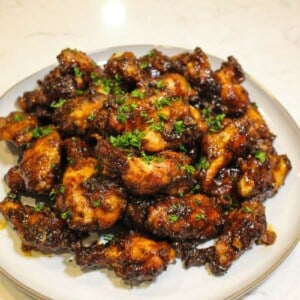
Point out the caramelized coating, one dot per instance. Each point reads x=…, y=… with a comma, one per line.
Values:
x=17, y=127
x=90, y=201
x=39, y=228
x=81, y=115
x=234, y=98
x=162, y=145
x=189, y=217
x=39, y=164
x=133, y=257
x=245, y=226
x=220, y=148
x=144, y=175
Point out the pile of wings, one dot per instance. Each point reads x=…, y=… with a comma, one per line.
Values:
x=162, y=151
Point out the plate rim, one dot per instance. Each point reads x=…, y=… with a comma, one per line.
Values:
x=253, y=284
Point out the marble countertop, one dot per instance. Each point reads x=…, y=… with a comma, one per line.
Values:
x=263, y=35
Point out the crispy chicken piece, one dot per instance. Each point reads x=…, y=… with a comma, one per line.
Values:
x=147, y=174
x=222, y=147
x=234, y=98
x=81, y=115
x=196, y=68
x=262, y=172
x=17, y=127
x=39, y=228
x=133, y=257
x=127, y=67
x=245, y=226
x=165, y=117
x=190, y=217
x=38, y=169
x=90, y=201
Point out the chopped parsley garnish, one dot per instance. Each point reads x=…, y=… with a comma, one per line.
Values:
x=179, y=127
x=53, y=165
x=157, y=127
x=91, y=116
x=38, y=207
x=58, y=103
x=151, y=53
x=182, y=149
x=66, y=214
x=261, y=156
x=70, y=160
x=159, y=104
x=12, y=196
x=108, y=236
x=41, y=131
x=144, y=65
x=137, y=94
x=148, y=158
x=203, y=164
x=128, y=139
x=144, y=114
x=180, y=194
x=196, y=188
x=121, y=118
x=190, y=169
x=78, y=92
x=77, y=72
x=54, y=192
x=163, y=117
x=248, y=209
x=214, y=122
x=96, y=203
x=94, y=76
x=19, y=117
x=173, y=218
x=150, y=121
x=198, y=202
x=160, y=84
x=200, y=217
x=120, y=99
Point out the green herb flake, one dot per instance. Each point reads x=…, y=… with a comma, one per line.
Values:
x=151, y=53
x=19, y=117
x=77, y=72
x=160, y=84
x=12, y=196
x=146, y=158
x=41, y=131
x=179, y=127
x=248, y=209
x=173, y=218
x=121, y=118
x=96, y=203
x=261, y=156
x=128, y=139
x=157, y=127
x=190, y=169
x=58, y=103
x=144, y=65
x=78, y=92
x=144, y=114
x=200, y=217
x=120, y=99
x=108, y=237
x=137, y=94
x=180, y=194
x=182, y=149
x=203, y=164
x=163, y=117
x=66, y=214
x=70, y=160
x=196, y=188
x=91, y=116
x=94, y=76
x=38, y=207
x=198, y=202
x=159, y=104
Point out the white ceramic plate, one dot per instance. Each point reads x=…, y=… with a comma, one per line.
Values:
x=56, y=278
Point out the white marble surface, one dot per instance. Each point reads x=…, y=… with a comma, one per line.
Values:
x=263, y=35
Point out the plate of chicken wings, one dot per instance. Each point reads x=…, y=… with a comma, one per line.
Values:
x=145, y=171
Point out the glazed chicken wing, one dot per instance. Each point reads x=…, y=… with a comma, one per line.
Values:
x=17, y=127
x=133, y=257
x=89, y=201
x=38, y=169
x=40, y=228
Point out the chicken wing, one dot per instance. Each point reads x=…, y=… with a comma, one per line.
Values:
x=133, y=257
x=40, y=228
